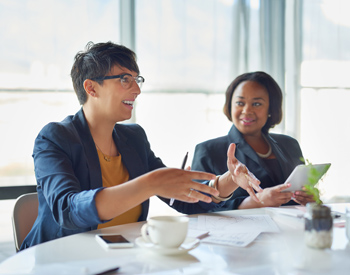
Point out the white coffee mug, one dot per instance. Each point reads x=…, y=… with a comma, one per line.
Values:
x=165, y=231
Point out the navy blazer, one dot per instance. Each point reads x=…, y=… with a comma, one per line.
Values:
x=211, y=156
x=68, y=174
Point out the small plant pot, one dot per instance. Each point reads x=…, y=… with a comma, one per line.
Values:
x=318, y=226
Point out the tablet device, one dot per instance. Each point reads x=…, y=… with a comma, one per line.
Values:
x=299, y=177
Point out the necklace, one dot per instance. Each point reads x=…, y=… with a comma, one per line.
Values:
x=106, y=158
x=264, y=156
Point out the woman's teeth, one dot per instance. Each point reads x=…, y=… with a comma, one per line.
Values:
x=131, y=103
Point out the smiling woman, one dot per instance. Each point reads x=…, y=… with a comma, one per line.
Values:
x=93, y=172
x=254, y=105
x=250, y=110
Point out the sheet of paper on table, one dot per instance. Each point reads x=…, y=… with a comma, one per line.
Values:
x=235, y=230
x=297, y=212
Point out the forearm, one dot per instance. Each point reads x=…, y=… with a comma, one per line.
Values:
x=248, y=203
x=114, y=201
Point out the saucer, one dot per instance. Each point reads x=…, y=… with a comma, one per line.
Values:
x=187, y=245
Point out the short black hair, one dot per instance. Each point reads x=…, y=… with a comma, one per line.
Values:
x=97, y=61
x=271, y=86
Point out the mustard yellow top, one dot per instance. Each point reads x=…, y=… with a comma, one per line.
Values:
x=113, y=173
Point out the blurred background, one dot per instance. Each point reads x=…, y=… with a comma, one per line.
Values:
x=188, y=51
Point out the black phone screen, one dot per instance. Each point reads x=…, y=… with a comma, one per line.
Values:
x=114, y=239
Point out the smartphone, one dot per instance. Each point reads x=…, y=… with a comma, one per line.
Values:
x=113, y=241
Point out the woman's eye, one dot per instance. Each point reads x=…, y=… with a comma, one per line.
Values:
x=257, y=104
x=126, y=79
x=239, y=103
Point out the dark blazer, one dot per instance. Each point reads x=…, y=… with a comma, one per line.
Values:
x=68, y=174
x=211, y=156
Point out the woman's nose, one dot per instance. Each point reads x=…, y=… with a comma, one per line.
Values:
x=136, y=89
x=247, y=109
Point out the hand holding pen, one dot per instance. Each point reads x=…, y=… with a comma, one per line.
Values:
x=182, y=167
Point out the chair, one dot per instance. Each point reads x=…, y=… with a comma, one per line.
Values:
x=24, y=214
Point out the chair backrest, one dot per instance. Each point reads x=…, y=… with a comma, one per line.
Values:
x=24, y=214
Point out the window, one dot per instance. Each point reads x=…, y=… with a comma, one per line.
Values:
x=325, y=90
x=37, y=49
x=188, y=53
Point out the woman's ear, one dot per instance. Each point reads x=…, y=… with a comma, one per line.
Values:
x=89, y=87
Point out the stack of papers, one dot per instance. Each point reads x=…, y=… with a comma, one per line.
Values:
x=234, y=230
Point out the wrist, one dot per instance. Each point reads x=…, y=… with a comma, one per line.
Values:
x=214, y=184
x=148, y=184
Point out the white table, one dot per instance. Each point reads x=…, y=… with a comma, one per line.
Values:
x=270, y=253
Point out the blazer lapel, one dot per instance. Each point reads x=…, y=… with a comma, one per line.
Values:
x=280, y=156
x=130, y=157
x=94, y=168
x=132, y=162
x=243, y=148
x=246, y=154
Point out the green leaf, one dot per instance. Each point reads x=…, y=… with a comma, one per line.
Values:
x=310, y=187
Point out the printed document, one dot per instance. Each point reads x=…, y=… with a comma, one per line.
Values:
x=235, y=230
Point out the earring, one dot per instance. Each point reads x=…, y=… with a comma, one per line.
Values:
x=269, y=115
x=92, y=93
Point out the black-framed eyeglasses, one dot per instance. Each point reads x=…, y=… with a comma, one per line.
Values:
x=125, y=79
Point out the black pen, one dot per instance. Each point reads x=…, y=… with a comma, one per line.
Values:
x=184, y=162
x=182, y=167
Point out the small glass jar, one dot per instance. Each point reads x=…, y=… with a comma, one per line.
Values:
x=347, y=222
x=318, y=226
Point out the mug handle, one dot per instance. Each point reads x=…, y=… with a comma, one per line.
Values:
x=144, y=233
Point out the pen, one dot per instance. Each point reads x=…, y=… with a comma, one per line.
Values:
x=182, y=167
x=184, y=161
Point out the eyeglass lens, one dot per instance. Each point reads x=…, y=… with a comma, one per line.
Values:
x=127, y=81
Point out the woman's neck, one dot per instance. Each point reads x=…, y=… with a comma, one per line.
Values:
x=101, y=130
x=258, y=143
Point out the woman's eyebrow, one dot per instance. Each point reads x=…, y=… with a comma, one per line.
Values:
x=258, y=98
x=255, y=98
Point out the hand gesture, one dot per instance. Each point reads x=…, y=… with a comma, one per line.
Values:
x=180, y=185
x=274, y=197
x=241, y=175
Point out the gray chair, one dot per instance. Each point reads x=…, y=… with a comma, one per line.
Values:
x=24, y=215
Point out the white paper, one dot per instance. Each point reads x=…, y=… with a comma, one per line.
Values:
x=235, y=239
x=237, y=224
x=235, y=230
x=292, y=212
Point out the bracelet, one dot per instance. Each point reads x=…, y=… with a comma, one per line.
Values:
x=213, y=183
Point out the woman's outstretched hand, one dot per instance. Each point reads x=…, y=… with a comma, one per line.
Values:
x=241, y=175
x=181, y=185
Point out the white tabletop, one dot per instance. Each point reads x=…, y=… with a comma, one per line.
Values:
x=271, y=253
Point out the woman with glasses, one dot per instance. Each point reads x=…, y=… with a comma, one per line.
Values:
x=254, y=105
x=93, y=172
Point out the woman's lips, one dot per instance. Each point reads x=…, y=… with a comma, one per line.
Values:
x=129, y=103
x=247, y=121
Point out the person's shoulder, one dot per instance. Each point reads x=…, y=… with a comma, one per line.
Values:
x=214, y=143
x=58, y=126
x=283, y=139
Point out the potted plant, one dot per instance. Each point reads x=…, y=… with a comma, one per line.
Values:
x=318, y=218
